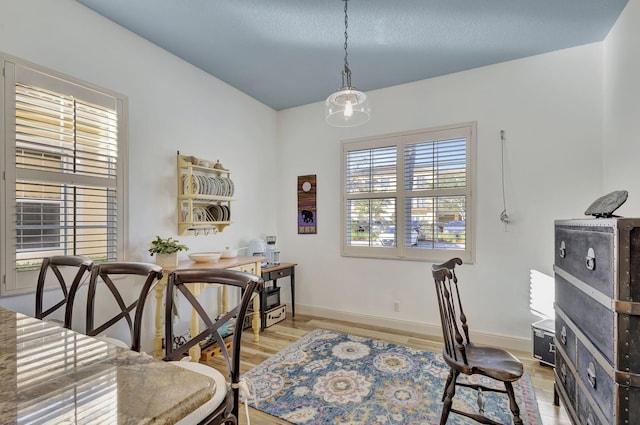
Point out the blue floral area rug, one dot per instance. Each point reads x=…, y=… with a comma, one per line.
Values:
x=328, y=377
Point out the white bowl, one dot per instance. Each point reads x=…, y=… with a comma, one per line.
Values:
x=205, y=257
x=230, y=253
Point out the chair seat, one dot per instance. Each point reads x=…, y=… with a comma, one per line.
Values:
x=494, y=363
x=218, y=398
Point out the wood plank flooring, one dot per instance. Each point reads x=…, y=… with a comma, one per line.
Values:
x=278, y=336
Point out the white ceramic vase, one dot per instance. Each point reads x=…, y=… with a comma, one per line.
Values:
x=167, y=261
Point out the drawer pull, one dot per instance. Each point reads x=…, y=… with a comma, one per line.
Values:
x=591, y=259
x=563, y=373
x=591, y=374
x=563, y=250
x=552, y=347
x=563, y=335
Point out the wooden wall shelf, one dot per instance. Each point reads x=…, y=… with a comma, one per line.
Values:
x=205, y=194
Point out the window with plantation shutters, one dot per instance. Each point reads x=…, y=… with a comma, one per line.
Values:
x=410, y=195
x=64, y=175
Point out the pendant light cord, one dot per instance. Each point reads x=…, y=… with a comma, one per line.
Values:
x=503, y=215
x=346, y=36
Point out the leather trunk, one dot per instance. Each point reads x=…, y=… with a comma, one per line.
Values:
x=597, y=276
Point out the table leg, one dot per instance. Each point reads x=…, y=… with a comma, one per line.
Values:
x=255, y=323
x=293, y=291
x=195, y=352
x=224, y=302
x=263, y=306
x=157, y=340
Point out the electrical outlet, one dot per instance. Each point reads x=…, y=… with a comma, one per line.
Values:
x=396, y=306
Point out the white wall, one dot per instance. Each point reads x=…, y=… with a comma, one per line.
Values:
x=550, y=107
x=621, y=152
x=172, y=106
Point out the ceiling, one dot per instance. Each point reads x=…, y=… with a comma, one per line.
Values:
x=286, y=53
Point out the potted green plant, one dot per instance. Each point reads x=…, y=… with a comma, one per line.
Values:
x=166, y=251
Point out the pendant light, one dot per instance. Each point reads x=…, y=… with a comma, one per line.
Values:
x=348, y=107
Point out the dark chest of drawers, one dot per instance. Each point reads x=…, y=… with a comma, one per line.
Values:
x=597, y=280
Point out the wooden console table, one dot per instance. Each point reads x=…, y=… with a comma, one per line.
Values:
x=273, y=272
x=240, y=263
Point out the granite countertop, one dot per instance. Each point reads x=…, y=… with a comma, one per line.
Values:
x=48, y=372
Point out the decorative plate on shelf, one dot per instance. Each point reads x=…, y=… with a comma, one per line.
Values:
x=199, y=214
x=204, y=185
x=195, y=185
x=218, y=190
x=227, y=186
x=215, y=212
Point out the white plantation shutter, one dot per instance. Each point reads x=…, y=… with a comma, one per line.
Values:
x=65, y=172
x=541, y=294
x=436, y=185
x=371, y=186
x=409, y=195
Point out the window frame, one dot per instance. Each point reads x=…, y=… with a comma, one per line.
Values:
x=468, y=130
x=18, y=282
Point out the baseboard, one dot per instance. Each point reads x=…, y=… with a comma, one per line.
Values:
x=509, y=343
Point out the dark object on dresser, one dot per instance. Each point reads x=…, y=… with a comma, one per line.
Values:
x=605, y=205
x=597, y=278
x=465, y=358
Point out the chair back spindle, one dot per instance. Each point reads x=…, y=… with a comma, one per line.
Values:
x=451, y=312
x=56, y=265
x=102, y=275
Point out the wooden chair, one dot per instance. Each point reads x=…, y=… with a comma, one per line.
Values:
x=57, y=265
x=103, y=275
x=465, y=358
x=223, y=408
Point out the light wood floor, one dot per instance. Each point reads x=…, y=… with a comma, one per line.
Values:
x=278, y=336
